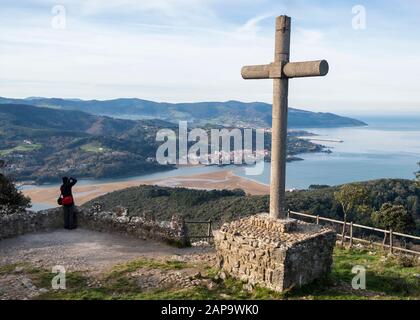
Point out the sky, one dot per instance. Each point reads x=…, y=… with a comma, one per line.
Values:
x=193, y=50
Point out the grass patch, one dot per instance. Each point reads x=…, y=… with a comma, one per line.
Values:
x=115, y=284
x=94, y=148
x=23, y=148
x=74, y=280
x=132, y=266
x=8, y=268
x=386, y=278
x=12, y=268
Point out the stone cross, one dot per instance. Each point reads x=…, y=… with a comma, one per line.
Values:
x=281, y=70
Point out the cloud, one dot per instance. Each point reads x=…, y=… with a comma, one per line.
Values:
x=168, y=12
x=194, y=50
x=251, y=27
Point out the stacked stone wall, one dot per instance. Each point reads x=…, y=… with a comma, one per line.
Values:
x=276, y=254
x=118, y=221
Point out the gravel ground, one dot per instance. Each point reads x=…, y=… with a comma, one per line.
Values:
x=83, y=250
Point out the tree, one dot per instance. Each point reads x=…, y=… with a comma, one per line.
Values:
x=11, y=199
x=392, y=216
x=418, y=176
x=351, y=197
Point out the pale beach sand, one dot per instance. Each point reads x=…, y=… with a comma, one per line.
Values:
x=217, y=180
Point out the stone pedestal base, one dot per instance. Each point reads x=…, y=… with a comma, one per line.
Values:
x=272, y=253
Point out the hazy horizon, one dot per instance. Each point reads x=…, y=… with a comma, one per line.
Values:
x=368, y=114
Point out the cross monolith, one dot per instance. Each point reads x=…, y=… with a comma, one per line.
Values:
x=266, y=249
x=281, y=70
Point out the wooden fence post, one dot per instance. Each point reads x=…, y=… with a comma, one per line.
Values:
x=384, y=240
x=288, y=214
x=343, y=235
x=391, y=241
x=317, y=219
x=209, y=231
x=352, y=238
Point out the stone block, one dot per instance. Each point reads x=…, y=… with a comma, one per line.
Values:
x=273, y=253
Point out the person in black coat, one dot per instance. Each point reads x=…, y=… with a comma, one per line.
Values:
x=67, y=202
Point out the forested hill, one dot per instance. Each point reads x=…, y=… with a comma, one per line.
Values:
x=230, y=113
x=224, y=205
x=42, y=144
x=70, y=120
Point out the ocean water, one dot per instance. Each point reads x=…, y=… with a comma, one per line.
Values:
x=388, y=147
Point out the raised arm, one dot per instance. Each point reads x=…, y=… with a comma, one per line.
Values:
x=72, y=181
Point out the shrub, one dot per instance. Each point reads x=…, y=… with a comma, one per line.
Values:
x=11, y=199
x=395, y=217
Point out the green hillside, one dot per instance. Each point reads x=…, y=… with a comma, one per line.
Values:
x=43, y=144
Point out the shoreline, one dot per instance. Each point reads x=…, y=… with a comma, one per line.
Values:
x=100, y=181
x=225, y=179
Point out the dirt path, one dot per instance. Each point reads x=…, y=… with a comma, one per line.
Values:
x=92, y=253
x=85, y=250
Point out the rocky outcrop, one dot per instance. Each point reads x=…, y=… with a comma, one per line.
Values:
x=119, y=221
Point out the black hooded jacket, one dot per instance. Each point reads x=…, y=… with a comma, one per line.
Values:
x=67, y=185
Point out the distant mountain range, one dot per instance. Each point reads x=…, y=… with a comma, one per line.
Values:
x=230, y=113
